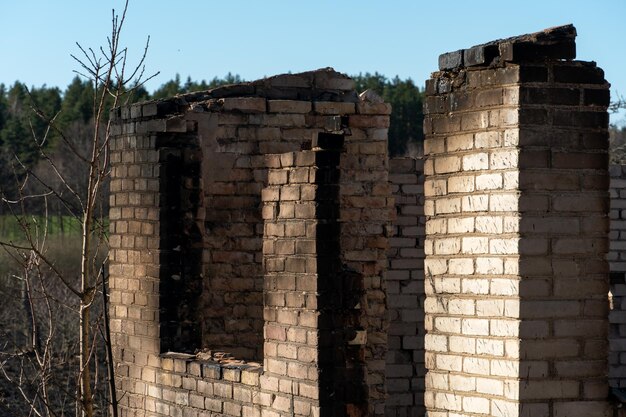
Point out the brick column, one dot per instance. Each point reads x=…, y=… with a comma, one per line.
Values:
x=290, y=247
x=134, y=261
x=516, y=206
x=324, y=304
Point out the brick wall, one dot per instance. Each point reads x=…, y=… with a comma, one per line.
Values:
x=255, y=222
x=366, y=207
x=327, y=220
x=405, y=291
x=188, y=175
x=241, y=134
x=292, y=243
x=134, y=264
x=405, y=283
x=471, y=305
x=617, y=262
x=313, y=333
x=516, y=206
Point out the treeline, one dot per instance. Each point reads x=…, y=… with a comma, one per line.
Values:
x=28, y=143
x=43, y=124
x=25, y=112
x=24, y=133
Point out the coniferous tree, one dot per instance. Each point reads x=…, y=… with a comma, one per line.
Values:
x=3, y=106
x=407, y=118
x=77, y=102
x=23, y=133
x=169, y=89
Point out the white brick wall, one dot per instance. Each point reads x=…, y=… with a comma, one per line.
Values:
x=515, y=246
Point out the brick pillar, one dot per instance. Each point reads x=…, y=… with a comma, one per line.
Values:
x=134, y=261
x=292, y=345
x=516, y=206
x=324, y=305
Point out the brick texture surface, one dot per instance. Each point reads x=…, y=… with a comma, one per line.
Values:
x=617, y=261
x=227, y=238
x=268, y=260
x=516, y=205
x=405, y=291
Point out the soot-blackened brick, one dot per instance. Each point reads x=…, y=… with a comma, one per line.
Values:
x=595, y=140
x=597, y=97
x=588, y=119
x=533, y=116
x=580, y=74
x=529, y=74
x=480, y=55
x=459, y=101
x=542, y=95
x=531, y=52
x=556, y=43
x=451, y=60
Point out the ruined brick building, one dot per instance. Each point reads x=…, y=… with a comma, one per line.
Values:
x=269, y=260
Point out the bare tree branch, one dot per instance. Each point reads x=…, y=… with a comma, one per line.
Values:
x=114, y=81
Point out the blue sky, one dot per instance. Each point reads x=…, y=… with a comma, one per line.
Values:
x=205, y=38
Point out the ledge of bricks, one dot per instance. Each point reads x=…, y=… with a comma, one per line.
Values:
x=220, y=366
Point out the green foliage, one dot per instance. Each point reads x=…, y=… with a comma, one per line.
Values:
x=15, y=126
x=11, y=227
x=23, y=134
x=22, y=131
x=169, y=89
x=228, y=79
x=173, y=87
x=376, y=82
x=406, y=100
x=139, y=94
x=77, y=102
x=4, y=107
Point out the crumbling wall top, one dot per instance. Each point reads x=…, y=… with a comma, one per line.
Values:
x=552, y=43
x=322, y=85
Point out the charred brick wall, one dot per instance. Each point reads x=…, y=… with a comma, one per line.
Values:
x=247, y=129
x=134, y=263
x=292, y=245
x=328, y=218
x=188, y=175
x=180, y=242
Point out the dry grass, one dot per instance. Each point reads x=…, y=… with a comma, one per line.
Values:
x=52, y=303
